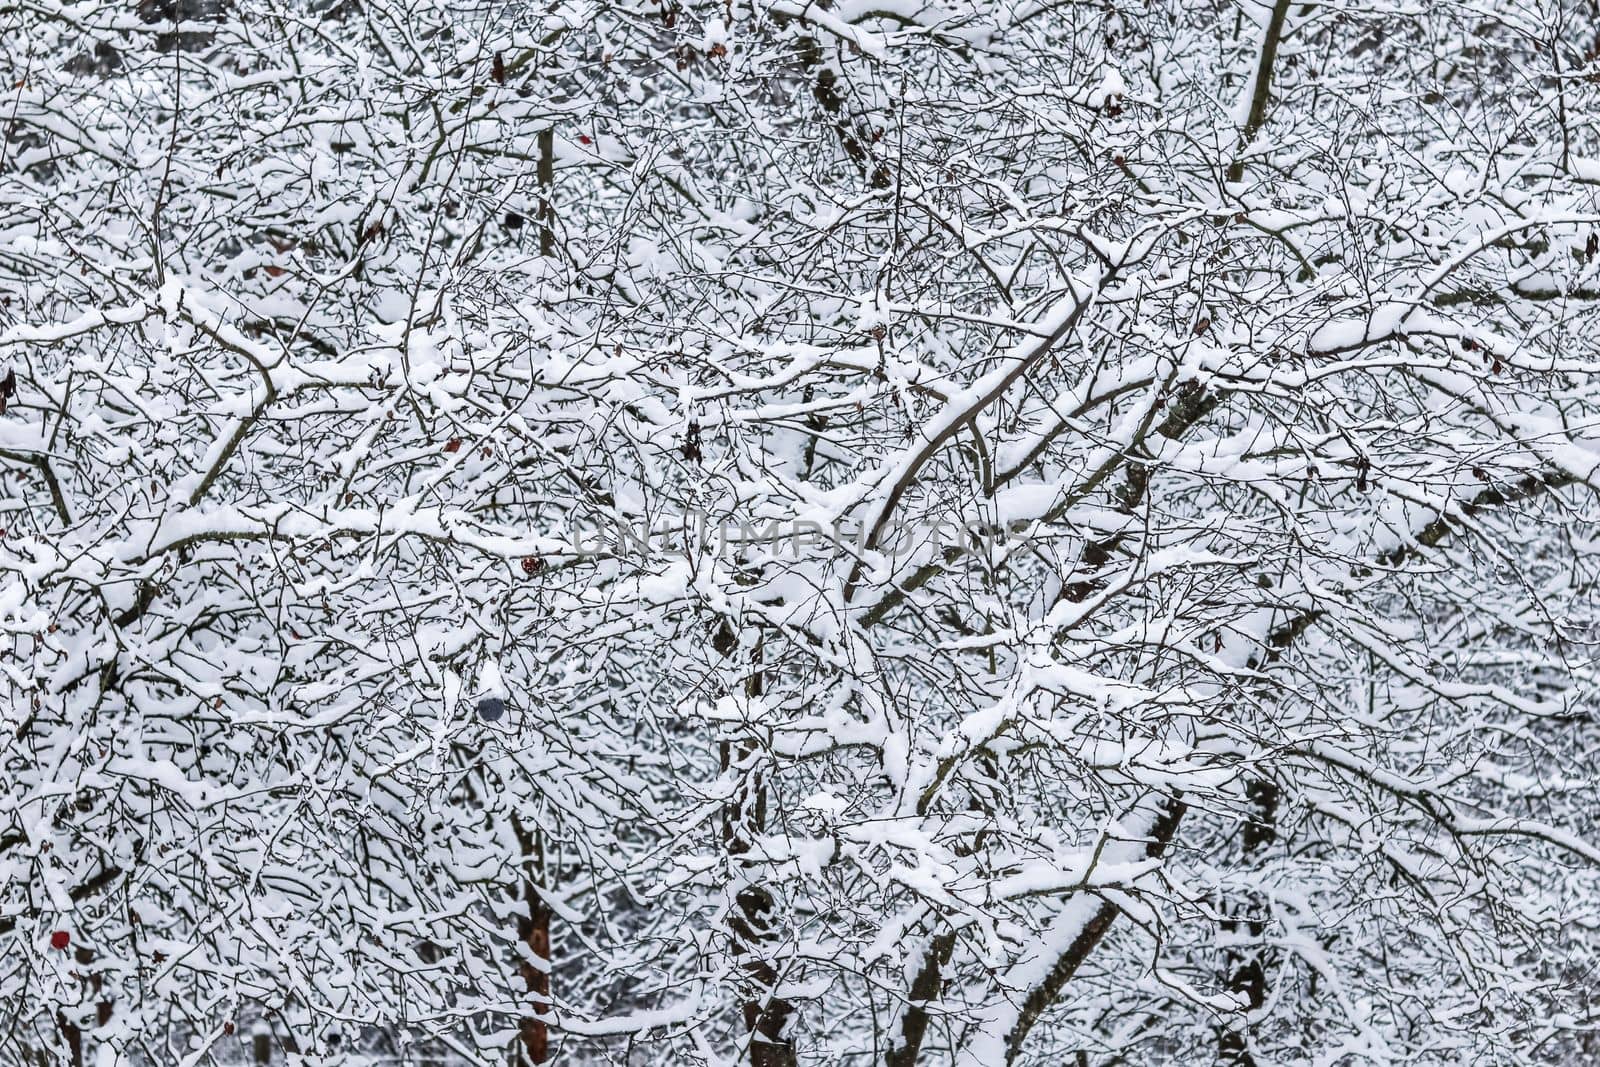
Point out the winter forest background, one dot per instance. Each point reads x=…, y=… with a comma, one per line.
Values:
x=925, y=533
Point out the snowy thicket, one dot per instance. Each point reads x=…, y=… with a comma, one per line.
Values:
x=912, y=532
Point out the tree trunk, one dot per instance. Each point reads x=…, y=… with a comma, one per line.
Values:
x=534, y=1032
x=766, y=1015
x=924, y=989
x=546, y=174
x=72, y=1036
x=1247, y=971
x=1261, y=93
x=533, y=930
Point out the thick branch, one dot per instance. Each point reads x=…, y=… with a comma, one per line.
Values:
x=1261, y=95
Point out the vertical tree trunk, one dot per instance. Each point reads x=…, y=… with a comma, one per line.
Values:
x=766, y=1015
x=546, y=174
x=533, y=929
x=72, y=1036
x=924, y=989
x=535, y=1032
x=71, y=1032
x=1247, y=974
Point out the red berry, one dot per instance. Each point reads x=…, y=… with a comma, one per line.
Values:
x=60, y=940
x=584, y=138
x=532, y=565
x=454, y=445
x=227, y=1027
